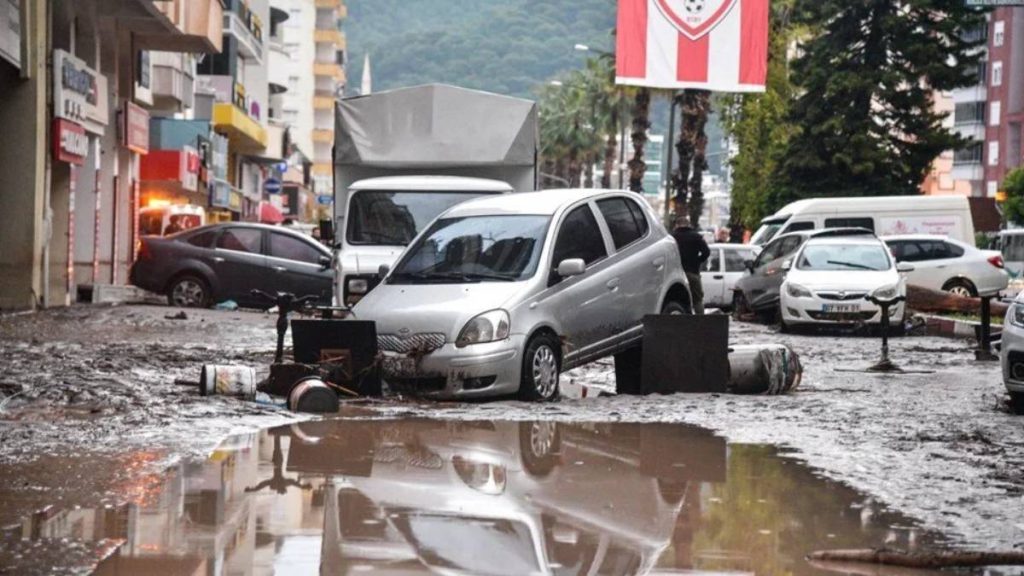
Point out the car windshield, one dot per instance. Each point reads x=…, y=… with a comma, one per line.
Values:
x=469, y=545
x=768, y=230
x=844, y=257
x=393, y=218
x=475, y=249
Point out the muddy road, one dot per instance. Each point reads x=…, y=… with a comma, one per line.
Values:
x=89, y=411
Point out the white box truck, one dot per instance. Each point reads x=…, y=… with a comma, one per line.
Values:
x=402, y=157
x=884, y=215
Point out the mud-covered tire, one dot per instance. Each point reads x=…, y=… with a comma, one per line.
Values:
x=675, y=308
x=1017, y=402
x=671, y=491
x=740, y=309
x=961, y=287
x=539, y=446
x=542, y=363
x=189, y=291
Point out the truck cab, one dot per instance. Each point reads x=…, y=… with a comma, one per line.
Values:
x=383, y=215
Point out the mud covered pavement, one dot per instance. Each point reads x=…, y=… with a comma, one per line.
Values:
x=91, y=415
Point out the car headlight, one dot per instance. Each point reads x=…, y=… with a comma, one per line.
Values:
x=1016, y=315
x=358, y=286
x=481, y=476
x=886, y=292
x=797, y=291
x=487, y=327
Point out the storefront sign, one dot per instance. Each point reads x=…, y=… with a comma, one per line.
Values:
x=236, y=201
x=70, y=142
x=10, y=31
x=189, y=168
x=135, y=129
x=79, y=93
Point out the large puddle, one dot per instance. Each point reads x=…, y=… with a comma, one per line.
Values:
x=487, y=497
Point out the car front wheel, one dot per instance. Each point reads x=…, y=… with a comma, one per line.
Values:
x=188, y=291
x=541, y=365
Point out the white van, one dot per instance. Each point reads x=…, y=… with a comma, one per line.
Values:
x=885, y=215
x=166, y=219
x=382, y=215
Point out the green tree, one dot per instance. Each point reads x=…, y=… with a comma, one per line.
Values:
x=865, y=116
x=1013, y=185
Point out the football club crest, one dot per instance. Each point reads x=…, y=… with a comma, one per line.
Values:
x=695, y=18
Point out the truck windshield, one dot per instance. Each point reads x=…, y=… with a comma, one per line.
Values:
x=474, y=249
x=393, y=218
x=768, y=230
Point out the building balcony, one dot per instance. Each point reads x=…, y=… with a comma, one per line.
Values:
x=322, y=169
x=328, y=4
x=332, y=70
x=173, y=84
x=323, y=102
x=249, y=45
x=323, y=136
x=329, y=36
x=244, y=134
x=178, y=25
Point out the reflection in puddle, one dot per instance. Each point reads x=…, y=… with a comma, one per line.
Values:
x=401, y=496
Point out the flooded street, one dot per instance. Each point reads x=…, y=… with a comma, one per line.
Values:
x=484, y=497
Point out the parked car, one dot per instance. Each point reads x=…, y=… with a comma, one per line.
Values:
x=758, y=291
x=725, y=266
x=829, y=280
x=941, y=263
x=1011, y=353
x=883, y=215
x=227, y=261
x=501, y=294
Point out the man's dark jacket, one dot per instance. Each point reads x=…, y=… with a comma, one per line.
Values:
x=693, y=250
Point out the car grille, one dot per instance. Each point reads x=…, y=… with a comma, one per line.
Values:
x=842, y=316
x=842, y=296
x=422, y=342
x=414, y=385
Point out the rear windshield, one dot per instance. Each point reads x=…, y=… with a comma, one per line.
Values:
x=393, y=218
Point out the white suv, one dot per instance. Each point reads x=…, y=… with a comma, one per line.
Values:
x=501, y=294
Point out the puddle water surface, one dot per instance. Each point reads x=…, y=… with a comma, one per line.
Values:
x=419, y=496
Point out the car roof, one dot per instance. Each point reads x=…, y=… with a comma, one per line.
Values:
x=916, y=237
x=435, y=183
x=544, y=202
x=256, y=225
x=730, y=246
x=851, y=240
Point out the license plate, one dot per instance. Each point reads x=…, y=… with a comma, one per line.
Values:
x=840, y=308
x=398, y=366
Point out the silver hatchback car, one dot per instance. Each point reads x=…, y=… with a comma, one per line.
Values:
x=500, y=295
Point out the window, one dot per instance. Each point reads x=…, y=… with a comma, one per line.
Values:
x=771, y=252
x=997, y=73
x=1013, y=247
x=393, y=218
x=790, y=245
x=203, y=239
x=639, y=216
x=621, y=223
x=994, y=113
x=282, y=246
x=991, y=188
x=999, y=34
x=736, y=260
x=240, y=240
x=954, y=250
x=969, y=155
x=868, y=223
x=969, y=113
x=579, y=237
x=799, y=226
x=993, y=153
x=713, y=263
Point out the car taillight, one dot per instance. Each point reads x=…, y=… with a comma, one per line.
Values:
x=996, y=261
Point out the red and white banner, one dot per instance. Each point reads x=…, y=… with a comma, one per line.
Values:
x=718, y=45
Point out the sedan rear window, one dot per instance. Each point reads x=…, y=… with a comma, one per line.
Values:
x=622, y=222
x=240, y=240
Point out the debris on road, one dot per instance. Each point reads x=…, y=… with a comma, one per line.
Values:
x=229, y=305
x=922, y=560
x=763, y=369
x=236, y=381
x=179, y=316
x=928, y=301
x=313, y=396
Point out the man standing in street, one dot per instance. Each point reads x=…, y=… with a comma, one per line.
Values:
x=693, y=252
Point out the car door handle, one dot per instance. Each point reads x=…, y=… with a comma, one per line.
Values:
x=280, y=269
x=217, y=259
x=613, y=284
x=718, y=277
x=658, y=263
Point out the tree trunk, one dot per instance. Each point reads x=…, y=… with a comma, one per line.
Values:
x=641, y=122
x=588, y=171
x=573, y=167
x=699, y=105
x=684, y=150
x=926, y=560
x=610, y=147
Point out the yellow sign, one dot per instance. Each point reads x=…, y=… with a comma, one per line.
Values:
x=1001, y=196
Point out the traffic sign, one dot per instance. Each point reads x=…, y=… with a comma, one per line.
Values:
x=325, y=200
x=272, y=186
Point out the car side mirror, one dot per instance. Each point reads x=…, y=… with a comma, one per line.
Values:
x=571, y=267
x=383, y=271
x=787, y=265
x=325, y=262
x=904, y=267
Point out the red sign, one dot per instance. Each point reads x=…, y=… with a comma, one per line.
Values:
x=70, y=143
x=135, y=132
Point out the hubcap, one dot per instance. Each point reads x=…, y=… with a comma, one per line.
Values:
x=545, y=371
x=187, y=293
x=960, y=291
x=542, y=438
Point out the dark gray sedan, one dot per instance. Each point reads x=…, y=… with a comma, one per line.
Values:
x=227, y=261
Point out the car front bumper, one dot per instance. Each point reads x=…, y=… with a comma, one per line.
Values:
x=812, y=310
x=1011, y=352
x=475, y=371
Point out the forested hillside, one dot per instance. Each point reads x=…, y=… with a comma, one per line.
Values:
x=505, y=46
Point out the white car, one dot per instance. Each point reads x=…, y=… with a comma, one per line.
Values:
x=726, y=265
x=1011, y=353
x=941, y=263
x=829, y=280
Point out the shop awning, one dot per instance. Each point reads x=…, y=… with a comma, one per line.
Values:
x=244, y=134
x=269, y=214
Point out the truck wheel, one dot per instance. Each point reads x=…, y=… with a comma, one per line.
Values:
x=538, y=381
x=1017, y=402
x=188, y=291
x=961, y=287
